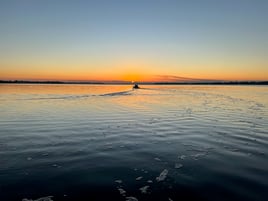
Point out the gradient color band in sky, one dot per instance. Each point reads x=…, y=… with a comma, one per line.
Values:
x=133, y=39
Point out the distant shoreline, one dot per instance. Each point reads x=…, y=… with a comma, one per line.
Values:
x=143, y=83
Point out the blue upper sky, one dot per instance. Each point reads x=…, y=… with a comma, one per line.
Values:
x=168, y=37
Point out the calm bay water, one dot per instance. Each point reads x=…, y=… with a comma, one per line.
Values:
x=109, y=142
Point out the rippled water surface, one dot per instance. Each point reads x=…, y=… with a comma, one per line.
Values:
x=109, y=142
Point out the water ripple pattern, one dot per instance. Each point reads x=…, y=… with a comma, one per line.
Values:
x=100, y=142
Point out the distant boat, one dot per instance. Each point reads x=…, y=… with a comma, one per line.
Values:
x=136, y=86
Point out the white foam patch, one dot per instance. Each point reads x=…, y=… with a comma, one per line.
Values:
x=122, y=191
x=178, y=165
x=157, y=159
x=198, y=155
x=144, y=189
x=48, y=198
x=182, y=157
x=131, y=199
x=118, y=181
x=162, y=175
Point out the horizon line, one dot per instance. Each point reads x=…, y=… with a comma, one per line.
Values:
x=265, y=82
x=152, y=79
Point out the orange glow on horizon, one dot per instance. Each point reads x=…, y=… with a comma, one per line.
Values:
x=128, y=73
x=131, y=77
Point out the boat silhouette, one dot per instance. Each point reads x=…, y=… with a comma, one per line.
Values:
x=136, y=86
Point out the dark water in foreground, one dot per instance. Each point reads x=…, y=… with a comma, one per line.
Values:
x=90, y=142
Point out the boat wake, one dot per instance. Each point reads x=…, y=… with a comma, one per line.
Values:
x=65, y=97
x=120, y=93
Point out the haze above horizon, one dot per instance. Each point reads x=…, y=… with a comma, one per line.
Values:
x=134, y=40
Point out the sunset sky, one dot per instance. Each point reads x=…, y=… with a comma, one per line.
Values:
x=137, y=40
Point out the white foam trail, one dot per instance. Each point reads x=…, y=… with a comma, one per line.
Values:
x=131, y=199
x=198, y=155
x=122, y=191
x=178, y=165
x=118, y=181
x=162, y=175
x=117, y=93
x=144, y=189
x=48, y=198
x=157, y=159
x=182, y=157
x=81, y=96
